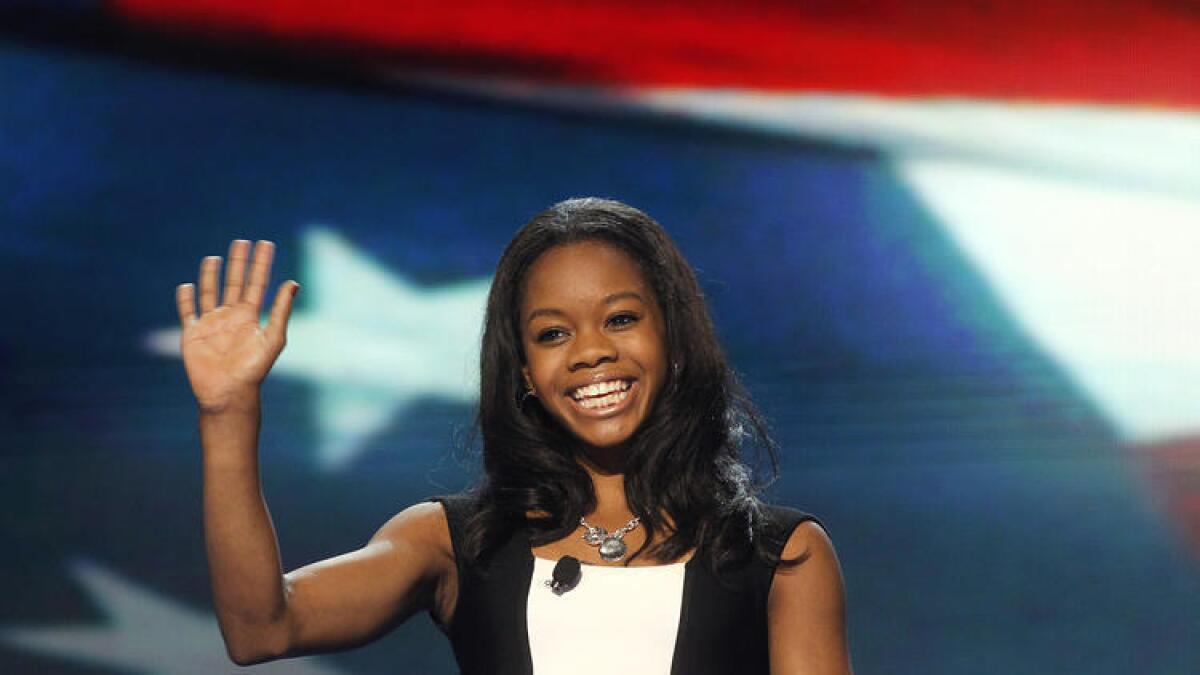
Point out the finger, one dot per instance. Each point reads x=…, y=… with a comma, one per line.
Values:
x=281, y=310
x=210, y=267
x=235, y=271
x=185, y=302
x=260, y=273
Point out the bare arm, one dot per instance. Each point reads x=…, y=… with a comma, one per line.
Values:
x=335, y=603
x=806, y=609
x=243, y=556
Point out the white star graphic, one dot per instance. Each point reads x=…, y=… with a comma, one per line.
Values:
x=371, y=343
x=145, y=633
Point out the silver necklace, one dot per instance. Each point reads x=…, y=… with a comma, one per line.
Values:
x=612, y=544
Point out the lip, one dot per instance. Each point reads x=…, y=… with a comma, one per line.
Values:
x=600, y=413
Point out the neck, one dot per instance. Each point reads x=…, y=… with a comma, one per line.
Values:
x=602, y=461
x=608, y=482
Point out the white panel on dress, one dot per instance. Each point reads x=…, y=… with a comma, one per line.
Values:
x=616, y=620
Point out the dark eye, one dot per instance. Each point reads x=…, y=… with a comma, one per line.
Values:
x=622, y=320
x=550, y=335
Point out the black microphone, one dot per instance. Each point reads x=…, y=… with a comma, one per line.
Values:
x=566, y=575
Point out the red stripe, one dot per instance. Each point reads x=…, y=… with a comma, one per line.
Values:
x=1145, y=51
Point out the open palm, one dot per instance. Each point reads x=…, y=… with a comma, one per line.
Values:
x=226, y=352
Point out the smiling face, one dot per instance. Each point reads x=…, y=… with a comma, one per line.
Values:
x=594, y=341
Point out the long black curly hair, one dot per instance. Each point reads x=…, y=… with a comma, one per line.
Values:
x=685, y=461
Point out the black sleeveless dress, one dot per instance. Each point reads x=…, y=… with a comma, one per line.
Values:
x=722, y=626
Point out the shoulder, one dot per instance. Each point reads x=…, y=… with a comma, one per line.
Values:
x=808, y=539
x=420, y=529
x=783, y=527
x=806, y=606
x=456, y=509
x=806, y=552
x=418, y=539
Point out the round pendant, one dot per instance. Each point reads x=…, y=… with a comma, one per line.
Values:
x=612, y=549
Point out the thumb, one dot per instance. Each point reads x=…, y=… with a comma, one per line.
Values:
x=281, y=311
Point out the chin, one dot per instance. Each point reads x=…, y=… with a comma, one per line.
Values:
x=604, y=439
x=605, y=442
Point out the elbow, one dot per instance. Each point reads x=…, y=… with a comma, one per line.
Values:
x=246, y=654
x=242, y=658
x=247, y=647
x=249, y=654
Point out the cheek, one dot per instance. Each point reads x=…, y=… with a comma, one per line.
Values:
x=537, y=371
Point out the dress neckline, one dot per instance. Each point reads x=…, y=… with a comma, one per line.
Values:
x=593, y=566
x=531, y=557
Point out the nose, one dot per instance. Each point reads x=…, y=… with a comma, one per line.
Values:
x=590, y=349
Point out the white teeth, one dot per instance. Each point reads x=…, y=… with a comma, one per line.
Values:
x=604, y=401
x=599, y=389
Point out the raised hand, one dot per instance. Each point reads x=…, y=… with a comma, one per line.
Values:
x=226, y=352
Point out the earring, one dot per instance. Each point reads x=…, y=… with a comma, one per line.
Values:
x=526, y=395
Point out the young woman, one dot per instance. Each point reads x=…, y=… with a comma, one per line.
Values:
x=611, y=429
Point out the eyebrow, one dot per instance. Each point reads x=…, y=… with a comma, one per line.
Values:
x=608, y=300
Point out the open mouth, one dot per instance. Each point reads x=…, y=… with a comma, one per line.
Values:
x=601, y=396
